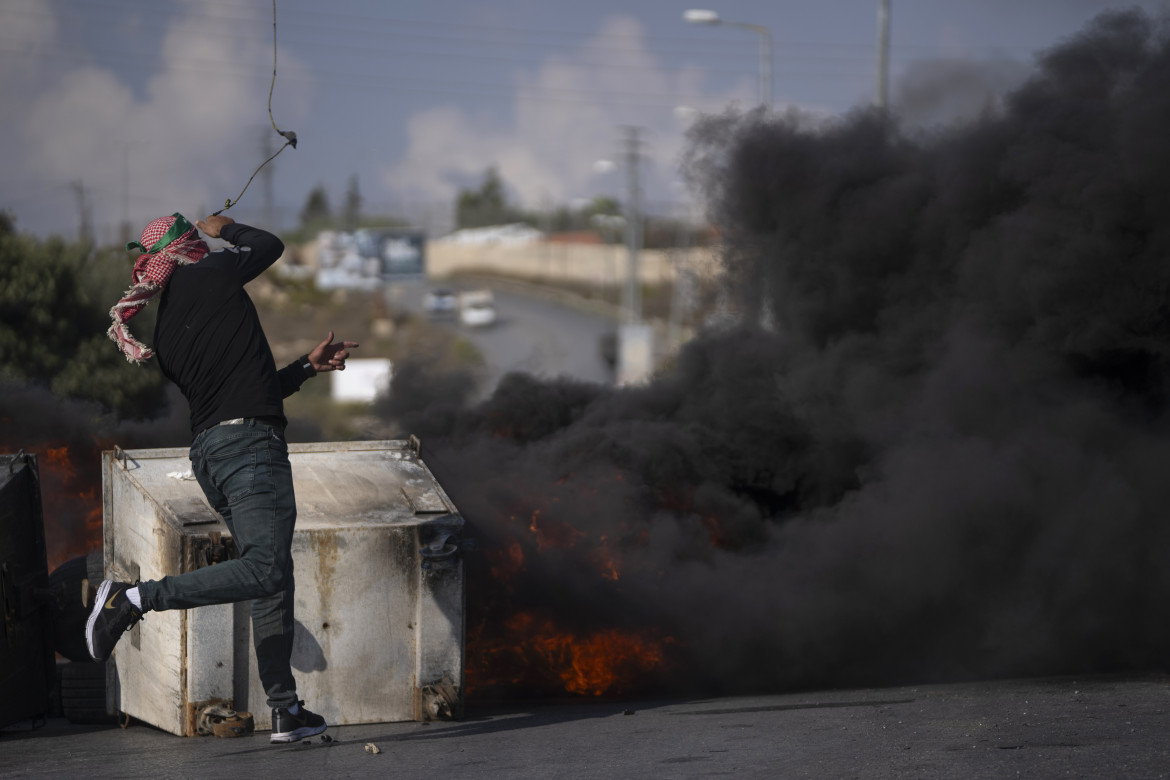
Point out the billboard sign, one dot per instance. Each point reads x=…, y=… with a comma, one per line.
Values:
x=367, y=259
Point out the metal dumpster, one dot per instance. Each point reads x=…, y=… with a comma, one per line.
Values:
x=27, y=670
x=379, y=589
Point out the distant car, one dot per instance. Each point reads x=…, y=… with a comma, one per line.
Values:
x=477, y=314
x=440, y=302
x=477, y=308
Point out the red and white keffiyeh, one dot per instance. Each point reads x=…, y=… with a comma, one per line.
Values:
x=167, y=243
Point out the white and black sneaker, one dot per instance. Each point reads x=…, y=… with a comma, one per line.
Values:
x=287, y=727
x=112, y=614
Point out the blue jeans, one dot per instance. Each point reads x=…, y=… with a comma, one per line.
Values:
x=245, y=473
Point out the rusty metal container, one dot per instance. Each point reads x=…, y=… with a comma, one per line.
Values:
x=379, y=589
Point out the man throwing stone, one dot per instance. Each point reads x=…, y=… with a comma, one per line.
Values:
x=208, y=341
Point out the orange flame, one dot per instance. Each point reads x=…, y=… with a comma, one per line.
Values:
x=553, y=533
x=71, y=504
x=514, y=647
x=535, y=649
x=606, y=559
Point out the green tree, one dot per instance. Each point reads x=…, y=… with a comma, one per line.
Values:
x=605, y=205
x=485, y=206
x=316, y=210
x=54, y=313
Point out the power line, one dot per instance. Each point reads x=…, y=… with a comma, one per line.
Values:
x=727, y=59
x=462, y=34
x=849, y=66
x=376, y=85
x=821, y=68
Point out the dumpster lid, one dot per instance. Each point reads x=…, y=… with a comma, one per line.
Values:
x=336, y=484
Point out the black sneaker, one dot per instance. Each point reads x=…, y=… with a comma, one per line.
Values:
x=287, y=727
x=112, y=614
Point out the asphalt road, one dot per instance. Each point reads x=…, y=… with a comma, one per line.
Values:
x=532, y=334
x=1106, y=727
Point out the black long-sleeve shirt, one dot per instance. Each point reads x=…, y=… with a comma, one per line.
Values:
x=208, y=339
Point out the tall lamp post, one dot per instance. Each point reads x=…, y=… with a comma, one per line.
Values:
x=698, y=16
x=882, y=92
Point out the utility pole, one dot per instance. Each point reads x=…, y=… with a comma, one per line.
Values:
x=635, y=360
x=700, y=16
x=124, y=228
x=679, y=289
x=632, y=155
x=85, y=225
x=883, y=55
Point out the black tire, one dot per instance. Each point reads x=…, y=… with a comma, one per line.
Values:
x=95, y=567
x=83, y=693
x=85, y=674
x=71, y=612
x=90, y=716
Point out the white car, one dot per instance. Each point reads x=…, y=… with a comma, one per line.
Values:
x=477, y=314
x=477, y=308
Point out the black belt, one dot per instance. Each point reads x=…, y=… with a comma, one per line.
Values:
x=275, y=422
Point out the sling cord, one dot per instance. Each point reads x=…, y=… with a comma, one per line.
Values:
x=289, y=135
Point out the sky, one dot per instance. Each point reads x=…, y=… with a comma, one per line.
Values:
x=124, y=110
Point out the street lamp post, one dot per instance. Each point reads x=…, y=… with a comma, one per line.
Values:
x=883, y=64
x=699, y=16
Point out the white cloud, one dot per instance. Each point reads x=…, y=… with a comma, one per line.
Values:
x=30, y=39
x=564, y=117
x=184, y=143
x=30, y=31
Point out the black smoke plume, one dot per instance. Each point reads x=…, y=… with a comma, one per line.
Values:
x=934, y=449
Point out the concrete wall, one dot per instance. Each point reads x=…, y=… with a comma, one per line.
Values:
x=592, y=264
x=599, y=264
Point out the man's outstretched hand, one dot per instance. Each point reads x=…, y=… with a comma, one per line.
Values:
x=328, y=356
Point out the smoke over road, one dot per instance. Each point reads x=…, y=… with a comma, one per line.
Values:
x=944, y=457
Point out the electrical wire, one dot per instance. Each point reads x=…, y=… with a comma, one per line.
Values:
x=289, y=136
